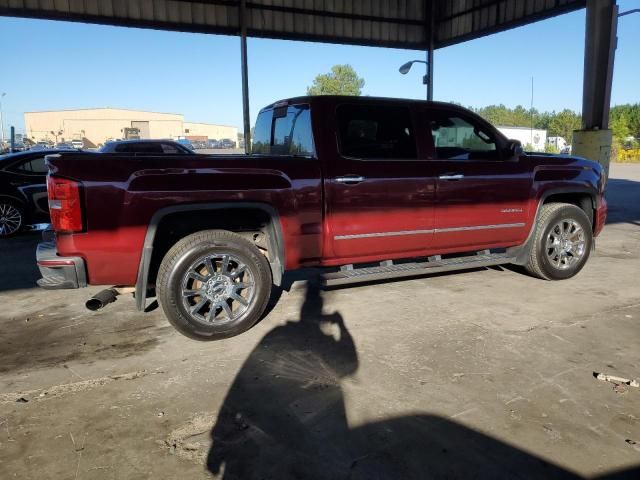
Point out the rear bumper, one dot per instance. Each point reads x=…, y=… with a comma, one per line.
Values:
x=600, y=218
x=59, y=272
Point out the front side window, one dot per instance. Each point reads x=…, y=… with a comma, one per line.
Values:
x=124, y=148
x=458, y=138
x=168, y=148
x=376, y=132
x=283, y=131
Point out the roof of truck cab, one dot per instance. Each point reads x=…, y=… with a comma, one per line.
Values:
x=337, y=99
x=357, y=99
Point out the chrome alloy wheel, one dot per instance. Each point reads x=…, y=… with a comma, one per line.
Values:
x=10, y=219
x=565, y=245
x=217, y=288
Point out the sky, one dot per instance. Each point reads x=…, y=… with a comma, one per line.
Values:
x=63, y=65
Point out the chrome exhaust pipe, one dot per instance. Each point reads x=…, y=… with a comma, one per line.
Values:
x=102, y=298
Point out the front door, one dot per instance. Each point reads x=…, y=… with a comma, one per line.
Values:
x=379, y=194
x=482, y=191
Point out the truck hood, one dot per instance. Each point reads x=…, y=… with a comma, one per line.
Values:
x=563, y=160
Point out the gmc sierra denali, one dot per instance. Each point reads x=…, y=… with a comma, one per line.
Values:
x=370, y=188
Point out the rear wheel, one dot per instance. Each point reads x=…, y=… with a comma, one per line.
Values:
x=562, y=242
x=213, y=284
x=11, y=218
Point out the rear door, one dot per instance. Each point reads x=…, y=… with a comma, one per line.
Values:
x=379, y=195
x=30, y=177
x=482, y=191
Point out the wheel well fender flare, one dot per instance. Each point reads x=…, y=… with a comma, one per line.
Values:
x=274, y=230
x=523, y=251
x=20, y=202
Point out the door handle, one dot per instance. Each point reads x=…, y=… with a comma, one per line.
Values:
x=350, y=179
x=451, y=176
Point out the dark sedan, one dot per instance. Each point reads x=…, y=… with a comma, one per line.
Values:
x=148, y=147
x=23, y=190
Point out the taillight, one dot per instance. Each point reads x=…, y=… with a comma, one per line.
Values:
x=64, y=204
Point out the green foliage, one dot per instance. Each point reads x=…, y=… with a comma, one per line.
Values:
x=630, y=115
x=562, y=124
x=551, y=148
x=619, y=126
x=624, y=120
x=342, y=80
x=507, y=117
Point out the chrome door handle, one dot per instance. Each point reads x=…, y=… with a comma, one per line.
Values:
x=451, y=176
x=350, y=179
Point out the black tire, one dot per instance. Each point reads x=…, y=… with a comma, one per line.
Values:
x=11, y=218
x=547, y=263
x=176, y=276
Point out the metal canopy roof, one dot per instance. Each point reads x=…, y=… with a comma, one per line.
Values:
x=388, y=23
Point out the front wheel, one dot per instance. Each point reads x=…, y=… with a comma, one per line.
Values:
x=213, y=284
x=562, y=242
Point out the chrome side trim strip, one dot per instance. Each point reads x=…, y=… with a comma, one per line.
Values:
x=480, y=227
x=420, y=232
x=382, y=234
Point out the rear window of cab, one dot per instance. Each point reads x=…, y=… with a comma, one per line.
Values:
x=283, y=130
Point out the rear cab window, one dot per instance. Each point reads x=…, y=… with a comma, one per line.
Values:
x=283, y=130
x=376, y=132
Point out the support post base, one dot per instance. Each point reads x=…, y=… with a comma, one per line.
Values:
x=593, y=145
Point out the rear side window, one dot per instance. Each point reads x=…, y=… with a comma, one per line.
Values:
x=143, y=147
x=376, y=132
x=283, y=131
x=35, y=165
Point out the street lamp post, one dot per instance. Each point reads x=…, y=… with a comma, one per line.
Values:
x=404, y=69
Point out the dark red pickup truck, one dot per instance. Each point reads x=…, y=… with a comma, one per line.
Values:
x=380, y=188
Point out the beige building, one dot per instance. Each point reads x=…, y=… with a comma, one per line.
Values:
x=96, y=125
x=218, y=132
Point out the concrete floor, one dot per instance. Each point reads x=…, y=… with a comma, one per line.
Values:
x=479, y=374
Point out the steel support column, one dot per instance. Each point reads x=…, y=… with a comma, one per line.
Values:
x=430, y=73
x=594, y=140
x=245, y=76
x=599, y=53
x=431, y=12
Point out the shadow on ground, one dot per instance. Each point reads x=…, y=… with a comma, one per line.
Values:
x=284, y=417
x=623, y=198
x=50, y=338
x=18, y=267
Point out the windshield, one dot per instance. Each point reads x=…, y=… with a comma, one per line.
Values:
x=283, y=131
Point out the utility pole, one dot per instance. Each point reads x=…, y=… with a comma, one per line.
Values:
x=429, y=76
x=531, y=112
x=2, y=95
x=245, y=76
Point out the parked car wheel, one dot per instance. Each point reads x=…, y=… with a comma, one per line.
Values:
x=11, y=218
x=213, y=284
x=562, y=242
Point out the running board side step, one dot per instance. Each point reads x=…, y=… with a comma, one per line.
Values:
x=387, y=269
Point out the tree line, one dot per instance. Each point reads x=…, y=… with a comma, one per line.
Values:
x=624, y=121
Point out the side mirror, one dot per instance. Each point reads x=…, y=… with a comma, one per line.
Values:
x=514, y=148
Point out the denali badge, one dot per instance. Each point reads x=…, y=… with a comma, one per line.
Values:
x=511, y=210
